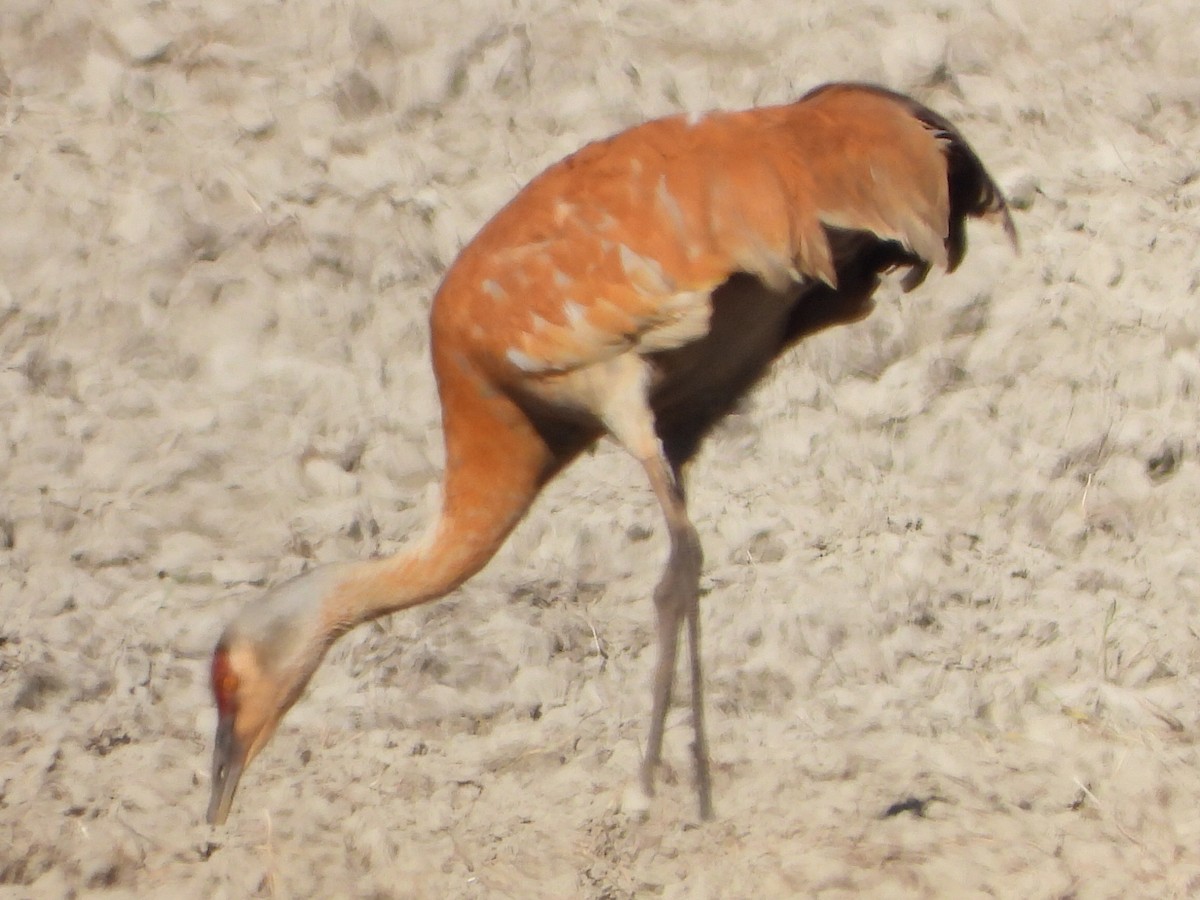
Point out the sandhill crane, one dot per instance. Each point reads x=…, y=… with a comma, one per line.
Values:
x=636, y=289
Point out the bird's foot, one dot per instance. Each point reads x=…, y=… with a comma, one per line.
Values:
x=636, y=802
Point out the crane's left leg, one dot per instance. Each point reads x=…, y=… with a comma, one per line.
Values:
x=700, y=743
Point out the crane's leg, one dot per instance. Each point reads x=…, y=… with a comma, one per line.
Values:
x=700, y=743
x=626, y=414
x=677, y=598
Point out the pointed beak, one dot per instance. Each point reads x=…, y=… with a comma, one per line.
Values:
x=229, y=759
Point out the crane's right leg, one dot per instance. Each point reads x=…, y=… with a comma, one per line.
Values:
x=677, y=597
x=626, y=413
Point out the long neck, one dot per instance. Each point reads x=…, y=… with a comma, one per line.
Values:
x=496, y=463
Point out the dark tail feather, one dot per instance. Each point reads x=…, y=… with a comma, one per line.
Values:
x=973, y=192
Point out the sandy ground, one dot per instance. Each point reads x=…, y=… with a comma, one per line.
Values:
x=951, y=551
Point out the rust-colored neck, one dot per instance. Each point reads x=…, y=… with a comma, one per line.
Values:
x=496, y=463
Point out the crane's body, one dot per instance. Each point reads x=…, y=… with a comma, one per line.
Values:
x=637, y=289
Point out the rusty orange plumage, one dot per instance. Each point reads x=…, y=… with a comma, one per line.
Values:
x=637, y=289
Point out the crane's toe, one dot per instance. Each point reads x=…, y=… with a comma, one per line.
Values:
x=635, y=801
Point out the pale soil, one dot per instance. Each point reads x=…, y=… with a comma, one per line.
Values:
x=951, y=551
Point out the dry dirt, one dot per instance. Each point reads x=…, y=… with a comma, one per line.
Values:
x=952, y=576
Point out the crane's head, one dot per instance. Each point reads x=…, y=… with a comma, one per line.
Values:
x=260, y=667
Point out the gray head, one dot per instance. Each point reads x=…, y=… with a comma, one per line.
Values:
x=260, y=667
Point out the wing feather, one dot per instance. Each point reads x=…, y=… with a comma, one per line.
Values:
x=619, y=247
